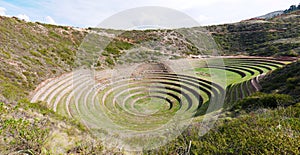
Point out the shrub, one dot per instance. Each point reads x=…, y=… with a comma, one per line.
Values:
x=26, y=137
x=109, y=61
x=10, y=91
x=261, y=100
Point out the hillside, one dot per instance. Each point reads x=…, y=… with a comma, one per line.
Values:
x=31, y=53
x=277, y=36
x=115, y=47
x=284, y=81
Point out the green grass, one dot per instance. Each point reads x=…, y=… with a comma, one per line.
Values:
x=24, y=131
x=271, y=132
x=219, y=75
x=150, y=105
x=11, y=91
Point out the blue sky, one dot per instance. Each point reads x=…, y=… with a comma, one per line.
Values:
x=89, y=13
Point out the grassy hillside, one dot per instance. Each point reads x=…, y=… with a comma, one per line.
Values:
x=31, y=53
x=31, y=128
x=284, y=81
x=278, y=36
x=264, y=131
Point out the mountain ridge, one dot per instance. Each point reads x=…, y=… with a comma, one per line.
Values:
x=271, y=14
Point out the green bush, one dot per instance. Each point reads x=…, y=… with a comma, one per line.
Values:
x=122, y=45
x=87, y=147
x=109, y=61
x=25, y=136
x=261, y=100
x=112, y=50
x=11, y=92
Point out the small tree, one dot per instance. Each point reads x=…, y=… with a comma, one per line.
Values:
x=291, y=9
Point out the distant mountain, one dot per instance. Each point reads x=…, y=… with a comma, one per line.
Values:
x=280, y=12
x=271, y=15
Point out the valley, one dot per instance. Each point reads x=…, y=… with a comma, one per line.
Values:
x=219, y=89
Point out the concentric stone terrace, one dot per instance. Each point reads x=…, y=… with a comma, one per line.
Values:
x=123, y=106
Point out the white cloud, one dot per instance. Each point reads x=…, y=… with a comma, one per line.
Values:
x=206, y=12
x=2, y=11
x=92, y=12
x=50, y=20
x=24, y=17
